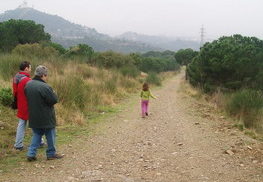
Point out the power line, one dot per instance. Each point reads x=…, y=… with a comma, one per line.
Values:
x=202, y=36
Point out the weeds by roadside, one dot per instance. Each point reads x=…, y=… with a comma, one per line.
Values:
x=243, y=107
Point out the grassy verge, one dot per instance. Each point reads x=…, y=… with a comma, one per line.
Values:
x=243, y=109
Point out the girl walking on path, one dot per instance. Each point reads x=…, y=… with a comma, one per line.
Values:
x=145, y=97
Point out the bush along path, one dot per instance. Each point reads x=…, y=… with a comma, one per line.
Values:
x=181, y=140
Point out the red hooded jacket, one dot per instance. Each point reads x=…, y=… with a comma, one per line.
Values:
x=19, y=82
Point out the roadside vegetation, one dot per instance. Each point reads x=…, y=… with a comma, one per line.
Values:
x=88, y=83
x=230, y=69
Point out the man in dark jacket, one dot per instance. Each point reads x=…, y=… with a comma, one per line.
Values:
x=41, y=100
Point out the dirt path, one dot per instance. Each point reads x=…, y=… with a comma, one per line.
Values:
x=176, y=143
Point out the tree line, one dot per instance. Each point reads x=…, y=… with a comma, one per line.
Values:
x=25, y=37
x=232, y=63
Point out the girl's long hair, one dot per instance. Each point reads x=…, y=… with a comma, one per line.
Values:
x=145, y=87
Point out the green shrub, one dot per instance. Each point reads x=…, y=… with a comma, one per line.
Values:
x=153, y=78
x=247, y=104
x=14, y=32
x=54, y=45
x=233, y=85
x=130, y=71
x=35, y=50
x=155, y=61
x=72, y=91
x=233, y=62
x=81, y=52
x=112, y=59
x=185, y=56
x=208, y=88
x=6, y=96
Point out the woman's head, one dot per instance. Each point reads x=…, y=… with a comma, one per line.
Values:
x=145, y=87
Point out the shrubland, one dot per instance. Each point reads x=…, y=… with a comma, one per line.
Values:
x=232, y=69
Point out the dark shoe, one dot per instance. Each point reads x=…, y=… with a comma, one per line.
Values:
x=56, y=156
x=146, y=113
x=19, y=148
x=31, y=159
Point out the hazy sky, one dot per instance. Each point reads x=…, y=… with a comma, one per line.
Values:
x=157, y=17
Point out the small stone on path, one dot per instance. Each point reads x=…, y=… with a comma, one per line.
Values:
x=250, y=148
x=230, y=152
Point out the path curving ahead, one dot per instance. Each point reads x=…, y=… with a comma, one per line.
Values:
x=176, y=143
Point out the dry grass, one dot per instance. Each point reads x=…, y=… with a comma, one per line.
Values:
x=99, y=87
x=5, y=84
x=219, y=102
x=186, y=88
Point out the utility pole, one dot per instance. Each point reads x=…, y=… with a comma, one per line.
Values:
x=202, y=36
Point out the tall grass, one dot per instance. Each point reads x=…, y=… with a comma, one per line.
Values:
x=35, y=50
x=9, y=65
x=153, y=78
x=247, y=105
x=110, y=85
x=85, y=88
x=130, y=71
x=71, y=90
x=128, y=84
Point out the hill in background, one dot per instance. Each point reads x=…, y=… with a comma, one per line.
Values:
x=69, y=34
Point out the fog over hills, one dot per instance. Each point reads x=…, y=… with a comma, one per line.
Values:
x=167, y=43
x=69, y=34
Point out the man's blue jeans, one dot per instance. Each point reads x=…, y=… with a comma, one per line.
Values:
x=20, y=133
x=50, y=134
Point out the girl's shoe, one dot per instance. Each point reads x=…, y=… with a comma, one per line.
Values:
x=146, y=114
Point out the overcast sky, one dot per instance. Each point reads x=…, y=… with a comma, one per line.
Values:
x=157, y=17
